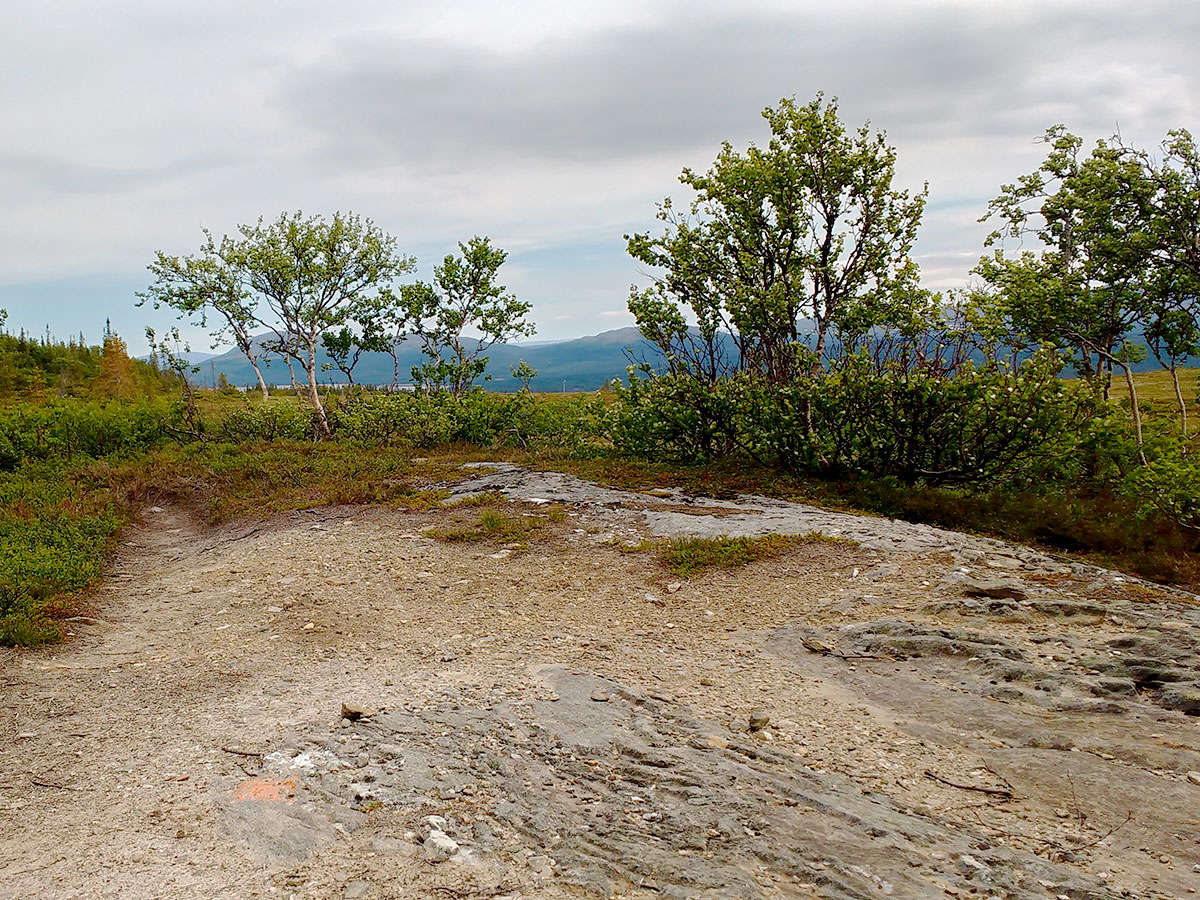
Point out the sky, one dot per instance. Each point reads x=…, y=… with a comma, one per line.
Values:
x=552, y=127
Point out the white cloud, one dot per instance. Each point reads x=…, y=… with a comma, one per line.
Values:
x=551, y=126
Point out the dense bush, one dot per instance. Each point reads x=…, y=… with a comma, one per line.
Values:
x=265, y=422
x=975, y=426
x=70, y=429
x=479, y=418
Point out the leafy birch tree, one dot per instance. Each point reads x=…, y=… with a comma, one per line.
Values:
x=784, y=248
x=299, y=277
x=461, y=315
x=206, y=287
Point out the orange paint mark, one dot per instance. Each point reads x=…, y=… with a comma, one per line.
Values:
x=265, y=790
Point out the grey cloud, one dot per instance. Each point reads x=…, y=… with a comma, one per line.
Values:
x=623, y=94
x=69, y=177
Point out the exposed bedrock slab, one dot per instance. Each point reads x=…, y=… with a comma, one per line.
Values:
x=619, y=790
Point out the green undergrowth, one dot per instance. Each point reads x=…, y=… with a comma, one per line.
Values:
x=688, y=556
x=230, y=481
x=1100, y=527
x=56, y=528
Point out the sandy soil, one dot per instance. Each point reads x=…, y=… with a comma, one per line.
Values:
x=932, y=715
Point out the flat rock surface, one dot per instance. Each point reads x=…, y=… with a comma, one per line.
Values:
x=334, y=704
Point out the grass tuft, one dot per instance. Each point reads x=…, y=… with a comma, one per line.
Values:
x=689, y=555
x=495, y=525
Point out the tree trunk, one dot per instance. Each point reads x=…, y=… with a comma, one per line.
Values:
x=314, y=396
x=262, y=385
x=292, y=374
x=1136, y=410
x=1183, y=422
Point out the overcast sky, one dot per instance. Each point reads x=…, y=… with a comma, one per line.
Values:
x=553, y=127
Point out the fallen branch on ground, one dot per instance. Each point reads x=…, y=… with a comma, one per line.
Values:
x=994, y=792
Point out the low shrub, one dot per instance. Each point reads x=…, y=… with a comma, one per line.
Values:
x=56, y=526
x=70, y=429
x=265, y=422
x=977, y=427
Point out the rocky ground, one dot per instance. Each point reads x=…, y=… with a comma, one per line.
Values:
x=337, y=705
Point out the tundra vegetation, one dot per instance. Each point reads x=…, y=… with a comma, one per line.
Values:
x=800, y=357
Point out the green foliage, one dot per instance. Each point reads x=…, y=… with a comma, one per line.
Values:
x=374, y=419
x=806, y=233
x=265, y=422
x=970, y=426
x=1086, y=289
x=549, y=423
x=1170, y=484
x=81, y=430
x=461, y=315
x=674, y=416
x=55, y=530
x=299, y=276
x=46, y=368
x=524, y=373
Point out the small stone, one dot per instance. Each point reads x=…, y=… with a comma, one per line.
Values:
x=599, y=696
x=1193, y=777
x=674, y=586
x=439, y=846
x=156, y=509
x=1063, y=813
x=433, y=823
x=356, y=890
x=759, y=719
x=1003, y=562
x=309, y=626
x=354, y=712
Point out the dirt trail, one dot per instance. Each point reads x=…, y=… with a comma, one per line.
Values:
x=944, y=715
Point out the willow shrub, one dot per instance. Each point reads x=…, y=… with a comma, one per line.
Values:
x=977, y=426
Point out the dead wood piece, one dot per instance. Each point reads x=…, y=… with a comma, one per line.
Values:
x=236, y=752
x=52, y=784
x=994, y=792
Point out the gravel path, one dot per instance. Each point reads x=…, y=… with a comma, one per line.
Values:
x=333, y=704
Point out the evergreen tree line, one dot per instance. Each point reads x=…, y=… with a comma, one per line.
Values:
x=43, y=367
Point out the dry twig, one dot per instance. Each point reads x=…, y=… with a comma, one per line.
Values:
x=1006, y=793
x=236, y=752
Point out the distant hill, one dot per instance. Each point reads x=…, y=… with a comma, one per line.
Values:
x=582, y=364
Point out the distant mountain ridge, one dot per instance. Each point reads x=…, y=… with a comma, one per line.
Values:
x=581, y=364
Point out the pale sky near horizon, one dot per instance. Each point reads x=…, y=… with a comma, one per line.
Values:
x=553, y=127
